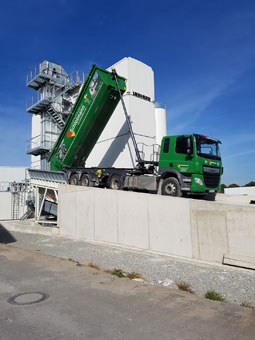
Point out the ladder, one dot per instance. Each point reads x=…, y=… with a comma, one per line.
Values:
x=15, y=205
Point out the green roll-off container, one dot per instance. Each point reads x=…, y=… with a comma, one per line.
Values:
x=92, y=110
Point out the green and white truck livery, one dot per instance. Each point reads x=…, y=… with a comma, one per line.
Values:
x=187, y=164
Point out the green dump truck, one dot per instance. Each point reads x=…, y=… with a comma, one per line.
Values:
x=187, y=164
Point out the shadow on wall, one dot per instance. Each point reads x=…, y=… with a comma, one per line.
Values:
x=5, y=236
x=116, y=147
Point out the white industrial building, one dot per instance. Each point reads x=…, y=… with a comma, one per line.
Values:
x=57, y=92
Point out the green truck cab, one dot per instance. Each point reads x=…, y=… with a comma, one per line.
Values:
x=190, y=164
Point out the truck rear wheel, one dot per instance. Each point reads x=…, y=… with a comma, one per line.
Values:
x=85, y=180
x=115, y=183
x=74, y=179
x=171, y=187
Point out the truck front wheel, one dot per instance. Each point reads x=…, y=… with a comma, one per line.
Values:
x=171, y=187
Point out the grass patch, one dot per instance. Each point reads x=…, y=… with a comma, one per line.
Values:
x=185, y=287
x=134, y=275
x=247, y=304
x=121, y=273
x=212, y=295
x=93, y=265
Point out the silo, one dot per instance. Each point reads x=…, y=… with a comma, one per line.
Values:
x=160, y=118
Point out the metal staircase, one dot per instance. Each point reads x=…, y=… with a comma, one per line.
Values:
x=73, y=80
x=57, y=116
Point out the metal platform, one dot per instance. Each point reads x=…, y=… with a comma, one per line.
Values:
x=40, y=79
x=49, y=179
x=46, y=191
x=39, y=106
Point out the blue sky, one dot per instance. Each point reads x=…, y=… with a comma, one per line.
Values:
x=202, y=53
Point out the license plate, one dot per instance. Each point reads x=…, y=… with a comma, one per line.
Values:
x=211, y=191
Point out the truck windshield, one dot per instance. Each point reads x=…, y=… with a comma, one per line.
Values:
x=207, y=147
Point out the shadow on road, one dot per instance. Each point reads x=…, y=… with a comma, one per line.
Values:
x=6, y=236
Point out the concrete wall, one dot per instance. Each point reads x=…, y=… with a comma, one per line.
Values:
x=5, y=205
x=240, y=191
x=222, y=229
x=235, y=199
x=180, y=227
x=7, y=209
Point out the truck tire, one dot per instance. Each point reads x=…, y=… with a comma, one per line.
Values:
x=171, y=187
x=85, y=180
x=115, y=183
x=74, y=179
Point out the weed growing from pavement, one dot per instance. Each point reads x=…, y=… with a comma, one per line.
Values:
x=134, y=275
x=93, y=265
x=247, y=304
x=185, y=287
x=121, y=273
x=212, y=295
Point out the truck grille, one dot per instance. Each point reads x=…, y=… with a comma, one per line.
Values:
x=211, y=179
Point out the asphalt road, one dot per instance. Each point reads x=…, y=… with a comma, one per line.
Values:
x=236, y=285
x=84, y=303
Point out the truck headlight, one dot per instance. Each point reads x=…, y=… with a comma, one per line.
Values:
x=198, y=181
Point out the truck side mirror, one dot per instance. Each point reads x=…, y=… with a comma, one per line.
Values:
x=189, y=148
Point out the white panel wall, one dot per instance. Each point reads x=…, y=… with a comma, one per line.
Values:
x=5, y=205
x=194, y=229
x=131, y=219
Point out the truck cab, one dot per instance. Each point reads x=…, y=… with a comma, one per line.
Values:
x=190, y=164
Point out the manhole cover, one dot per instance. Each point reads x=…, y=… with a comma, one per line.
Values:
x=27, y=298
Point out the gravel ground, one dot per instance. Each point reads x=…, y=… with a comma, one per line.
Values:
x=236, y=285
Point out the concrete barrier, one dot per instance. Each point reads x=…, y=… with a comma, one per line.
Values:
x=240, y=191
x=192, y=229
x=235, y=199
x=5, y=205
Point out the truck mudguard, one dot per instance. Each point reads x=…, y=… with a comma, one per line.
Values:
x=92, y=110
